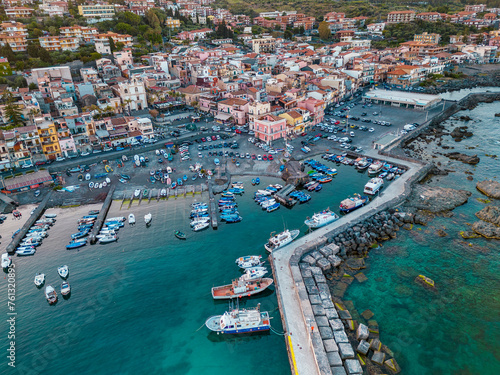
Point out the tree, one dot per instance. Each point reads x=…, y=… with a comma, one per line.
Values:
x=324, y=31
x=112, y=46
x=12, y=111
x=288, y=34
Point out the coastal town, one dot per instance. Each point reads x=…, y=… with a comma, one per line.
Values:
x=152, y=137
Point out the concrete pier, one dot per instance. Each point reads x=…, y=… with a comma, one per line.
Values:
x=102, y=215
x=213, y=207
x=29, y=223
x=304, y=340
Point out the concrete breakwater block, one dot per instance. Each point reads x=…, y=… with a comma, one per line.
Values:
x=309, y=260
x=324, y=264
x=346, y=351
x=334, y=260
x=309, y=281
x=330, y=346
x=362, y=333
x=334, y=358
x=312, y=289
x=345, y=315
x=326, y=333
x=393, y=366
x=318, y=310
x=367, y=314
x=378, y=357
x=322, y=321
x=363, y=347
x=361, y=277
x=331, y=313
x=336, y=370
x=320, y=279
x=375, y=345
x=340, y=337
x=327, y=303
x=336, y=324
x=316, y=255
x=323, y=290
x=316, y=271
x=353, y=367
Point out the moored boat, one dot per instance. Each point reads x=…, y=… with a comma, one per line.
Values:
x=180, y=235
x=249, y=261
x=63, y=271
x=321, y=219
x=76, y=244
x=131, y=219
x=200, y=226
x=6, y=261
x=240, y=321
x=39, y=279
x=253, y=273
x=281, y=239
x=373, y=186
x=65, y=288
x=22, y=251
x=351, y=204
x=50, y=294
x=240, y=288
x=148, y=218
x=137, y=192
x=108, y=239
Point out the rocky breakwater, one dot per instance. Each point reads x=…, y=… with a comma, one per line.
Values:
x=488, y=225
x=467, y=159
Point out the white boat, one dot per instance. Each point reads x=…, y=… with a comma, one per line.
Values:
x=281, y=239
x=200, y=220
x=63, y=271
x=108, y=180
x=253, y=273
x=148, y=218
x=91, y=185
x=87, y=177
x=249, y=261
x=65, y=288
x=131, y=219
x=201, y=226
x=50, y=294
x=41, y=234
x=268, y=203
x=25, y=251
x=263, y=192
x=100, y=185
x=39, y=279
x=163, y=192
x=240, y=321
x=137, y=192
x=104, y=184
x=117, y=218
x=108, y=239
x=375, y=168
x=321, y=219
x=50, y=216
x=373, y=186
x=6, y=261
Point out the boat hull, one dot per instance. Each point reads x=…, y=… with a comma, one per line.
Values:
x=220, y=291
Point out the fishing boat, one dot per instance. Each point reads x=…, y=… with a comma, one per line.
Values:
x=137, y=192
x=318, y=187
x=76, y=244
x=131, y=219
x=163, y=192
x=241, y=288
x=257, y=181
x=125, y=176
x=351, y=204
x=50, y=294
x=240, y=321
x=22, y=251
x=375, y=168
x=65, y=288
x=362, y=164
x=321, y=219
x=39, y=280
x=108, y=239
x=37, y=193
x=249, y=261
x=390, y=176
x=273, y=207
x=63, y=271
x=108, y=180
x=281, y=239
x=50, y=216
x=180, y=235
x=383, y=175
x=373, y=186
x=91, y=185
x=253, y=181
x=199, y=220
x=200, y=226
x=152, y=179
x=6, y=261
x=253, y=273
x=148, y=218
x=234, y=218
x=80, y=234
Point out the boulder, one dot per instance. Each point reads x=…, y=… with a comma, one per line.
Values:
x=474, y=159
x=362, y=333
x=490, y=214
x=346, y=351
x=489, y=188
x=353, y=367
x=322, y=321
x=436, y=199
x=309, y=260
x=334, y=260
x=363, y=347
x=318, y=310
x=486, y=230
x=340, y=337
x=334, y=359
x=392, y=365
x=323, y=264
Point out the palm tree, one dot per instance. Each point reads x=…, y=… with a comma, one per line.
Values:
x=127, y=103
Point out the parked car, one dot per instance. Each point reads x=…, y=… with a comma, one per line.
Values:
x=60, y=158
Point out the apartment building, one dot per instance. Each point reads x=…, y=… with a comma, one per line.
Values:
x=427, y=38
x=478, y=8
x=16, y=41
x=172, y=23
x=83, y=33
x=18, y=12
x=132, y=94
x=47, y=133
x=101, y=11
x=264, y=45
x=126, y=39
x=269, y=128
x=401, y=16
x=59, y=43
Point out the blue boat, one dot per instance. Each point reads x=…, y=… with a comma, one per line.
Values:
x=174, y=185
x=253, y=181
x=282, y=168
x=79, y=234
x=75, y=245
x=152, y=179
x=273, y=207
x=184, y=178
x=257, y=181
x=318, y=188
x=90, y=217
x=179, y=182
x=100, y=175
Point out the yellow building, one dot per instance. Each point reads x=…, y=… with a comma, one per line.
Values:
x=427, y=38
x=47, y=132
x=294, y=121
x=172, y=23
x=16, y=40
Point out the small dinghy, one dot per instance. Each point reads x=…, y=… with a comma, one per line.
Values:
x=200, y=226
x=50, y=294
x=65, y=289
x=104, y=184
x=91, y=185
x=108, y=239
x=76, y=244
x=137, y=192
x=180, y=235
x=108, y=180
x=148, y=218
x=63, y=271
x=87, y=177
x=131, y=219
x=39, y=280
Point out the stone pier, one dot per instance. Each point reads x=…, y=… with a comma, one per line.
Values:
x=316, y=339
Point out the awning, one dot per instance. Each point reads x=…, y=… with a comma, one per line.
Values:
x=223, y=116
x=27, y=180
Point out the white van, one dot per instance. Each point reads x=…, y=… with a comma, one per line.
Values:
x=352, y=134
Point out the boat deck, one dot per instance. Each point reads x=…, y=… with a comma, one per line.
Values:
x=252, y=287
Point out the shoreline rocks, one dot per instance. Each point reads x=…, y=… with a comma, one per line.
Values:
x=436, y=199
x=489, y=188
x=486, y=230
x=490, y=214
x=474, y=159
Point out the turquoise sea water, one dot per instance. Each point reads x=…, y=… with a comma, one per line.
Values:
x=455, y=329
x=138, y=306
